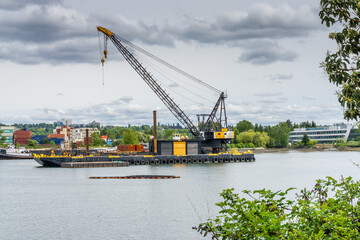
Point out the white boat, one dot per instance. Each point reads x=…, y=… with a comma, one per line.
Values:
x=15, y=153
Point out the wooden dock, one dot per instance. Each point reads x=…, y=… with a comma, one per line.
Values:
x=93, y=164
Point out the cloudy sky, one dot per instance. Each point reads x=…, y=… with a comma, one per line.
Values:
x=264, y=54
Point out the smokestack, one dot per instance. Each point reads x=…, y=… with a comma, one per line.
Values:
x=155, y=132
x=87, y=142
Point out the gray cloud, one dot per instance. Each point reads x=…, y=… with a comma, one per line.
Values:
x=118, y=111
x=136, y=30
x=55, y=34
x=268, y=94
x=174, y=85
x=281, y=77
x=266, y=53
x=309, y=98
x=38, y=31
x=272, y=100
x=274, y=113
x=122, y=100
x=18, y=4
x=262, y=21
x=121, y=114
x=66, y=51
x=39, y=24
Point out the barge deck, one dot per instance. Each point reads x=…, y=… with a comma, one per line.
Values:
x=91, y=161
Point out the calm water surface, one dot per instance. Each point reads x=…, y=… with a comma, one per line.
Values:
x=60, y=203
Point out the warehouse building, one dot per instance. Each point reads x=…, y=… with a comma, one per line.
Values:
x=21, y=137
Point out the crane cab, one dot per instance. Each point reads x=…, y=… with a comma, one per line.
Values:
x=224, y=134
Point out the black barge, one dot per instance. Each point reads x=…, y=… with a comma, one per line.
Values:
x=64, y=161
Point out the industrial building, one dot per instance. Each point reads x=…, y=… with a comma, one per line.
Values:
x=22, y=136
x=327, y=134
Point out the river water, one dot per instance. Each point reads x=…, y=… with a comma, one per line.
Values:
x=63, y=203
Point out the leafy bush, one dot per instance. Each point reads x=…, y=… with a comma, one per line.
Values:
x=45, y=141
x=354, y=144
x=341, y=144
x=117, y=142
x=32, y=143
x=251, y=139
x=331, y=210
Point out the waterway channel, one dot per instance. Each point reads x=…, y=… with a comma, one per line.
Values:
x=62, y=203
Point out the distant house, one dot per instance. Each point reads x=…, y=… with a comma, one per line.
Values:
x=57, y=138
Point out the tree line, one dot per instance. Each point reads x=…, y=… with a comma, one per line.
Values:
x=249, y=135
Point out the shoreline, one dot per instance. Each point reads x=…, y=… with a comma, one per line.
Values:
x=315, y=149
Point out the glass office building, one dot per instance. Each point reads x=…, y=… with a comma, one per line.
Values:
x=326, y=134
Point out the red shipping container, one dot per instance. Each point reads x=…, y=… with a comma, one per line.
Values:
x=126, y=148
x=139, y=148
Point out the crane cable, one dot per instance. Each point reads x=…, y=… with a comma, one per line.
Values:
x=102, y=60
x=167, y=64
x=169, y=79
x=169, y=89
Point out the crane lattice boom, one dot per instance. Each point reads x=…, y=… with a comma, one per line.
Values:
x=164, y=97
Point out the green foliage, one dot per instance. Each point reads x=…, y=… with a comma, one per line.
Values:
x=169, y=134
x=45, y=141
x=343, y=66
x=257, y=139
x=52, y=142
x=143, y=137
x=117, y=142
x=244, y=126
x=305, y=140
x=312, y=143
x=245, y=137
x=301, y=144
x=331, y=210
x=347, y=144
x=32, y=143
x=38, y=129
x=279, y=135
x=2, y=138
x=96, y=140
x=353, y=144
x=130, y=137
x=236, y=132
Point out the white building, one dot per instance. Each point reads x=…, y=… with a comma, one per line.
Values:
x=79, y=134
x=326, y=134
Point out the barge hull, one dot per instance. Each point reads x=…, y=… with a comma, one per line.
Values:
x=146, y=160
